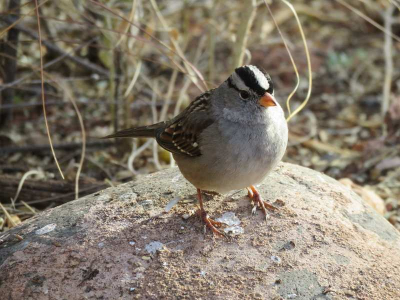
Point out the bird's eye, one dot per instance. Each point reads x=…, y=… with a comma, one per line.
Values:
x=244, y=95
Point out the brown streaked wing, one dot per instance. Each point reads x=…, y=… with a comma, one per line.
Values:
x=181, y=134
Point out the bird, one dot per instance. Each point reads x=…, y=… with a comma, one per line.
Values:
x=228, y=138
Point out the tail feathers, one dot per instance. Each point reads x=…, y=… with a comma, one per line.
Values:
x=144, y=131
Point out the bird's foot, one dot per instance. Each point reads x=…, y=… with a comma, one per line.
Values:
x=257, y=200
x=210, y=223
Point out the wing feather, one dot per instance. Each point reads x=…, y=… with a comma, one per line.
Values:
x=181, y=134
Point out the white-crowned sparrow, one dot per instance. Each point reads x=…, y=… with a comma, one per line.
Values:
x=228, y=138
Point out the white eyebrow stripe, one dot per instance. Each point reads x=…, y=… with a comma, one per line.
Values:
x=238, y=82
x=260, y=77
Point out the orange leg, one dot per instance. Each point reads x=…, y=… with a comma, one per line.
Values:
x=255, y=197
x=210, y=223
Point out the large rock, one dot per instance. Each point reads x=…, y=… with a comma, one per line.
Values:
x=322, y=243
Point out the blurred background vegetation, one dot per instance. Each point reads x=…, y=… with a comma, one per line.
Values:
x=109, y=65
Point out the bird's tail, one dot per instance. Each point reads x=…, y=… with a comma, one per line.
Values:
x=143, y=131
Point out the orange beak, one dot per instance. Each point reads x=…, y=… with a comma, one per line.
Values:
x=267, y=100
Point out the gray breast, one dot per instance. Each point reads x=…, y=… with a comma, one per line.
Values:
x=235, y=155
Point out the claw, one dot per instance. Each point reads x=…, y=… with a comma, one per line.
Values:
x=208, y=222
x=255, y=197
x=250, y=193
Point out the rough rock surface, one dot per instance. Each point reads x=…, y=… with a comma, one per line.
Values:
x=322, y=243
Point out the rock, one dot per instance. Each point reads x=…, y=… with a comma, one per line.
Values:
x=324, y=242
x=368, y=195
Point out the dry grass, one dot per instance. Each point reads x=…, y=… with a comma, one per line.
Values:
x=125, y=63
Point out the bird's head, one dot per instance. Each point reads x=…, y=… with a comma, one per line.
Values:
x=249, y=91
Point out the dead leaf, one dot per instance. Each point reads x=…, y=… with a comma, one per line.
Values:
x=12, y=221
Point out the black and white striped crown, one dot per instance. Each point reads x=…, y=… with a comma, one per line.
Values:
x=251, y=78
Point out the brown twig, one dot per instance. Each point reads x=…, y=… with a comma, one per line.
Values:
x=38, y=191
x=175, y=51
x=48, y=64
x=117, y=85
x=387, y=48
x=53, y=48
x=249, y=13
x=71, y=98
x=43, y=94
x=9, y=66
x=45, y=148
